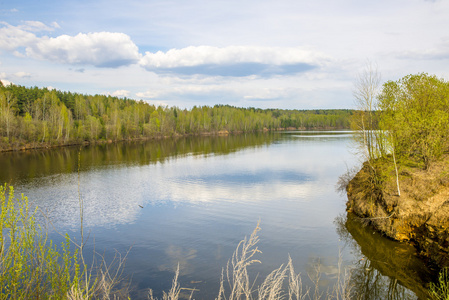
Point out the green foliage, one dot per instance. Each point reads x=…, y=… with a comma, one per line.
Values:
x=34, y=117
x=407, y=126
x=31, y=267
x=415, y=112
x=440, y=290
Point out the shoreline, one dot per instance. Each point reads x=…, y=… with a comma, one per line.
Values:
x=37, y=145
x=419, y=216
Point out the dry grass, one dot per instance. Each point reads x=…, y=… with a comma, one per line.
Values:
x=282, y=283
x=174, y=292
x=104, y=284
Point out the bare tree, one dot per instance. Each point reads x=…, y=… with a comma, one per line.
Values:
x=371, y=139
x=366, y=89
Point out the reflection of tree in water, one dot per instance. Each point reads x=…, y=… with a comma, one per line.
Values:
x=28, y=165
x=385, y=269
x=368, y=282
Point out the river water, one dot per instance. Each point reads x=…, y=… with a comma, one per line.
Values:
x=189, y=201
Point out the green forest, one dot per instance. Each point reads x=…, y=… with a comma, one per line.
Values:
x=32, y=117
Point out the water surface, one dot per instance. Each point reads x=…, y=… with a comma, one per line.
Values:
x=189, y=201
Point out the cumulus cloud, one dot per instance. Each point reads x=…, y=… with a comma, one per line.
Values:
x=35, y=26
x=6, y=82
x=16, y=75
x=22, y=75
x=119, y=93
x=3, y=80
x=13, y=37
x=101, y=49
x=149, y=94
x=55, y=25
x=234, y=61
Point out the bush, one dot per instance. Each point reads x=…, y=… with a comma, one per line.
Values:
x=415, y=111
x=440, y=290
x=31, y=267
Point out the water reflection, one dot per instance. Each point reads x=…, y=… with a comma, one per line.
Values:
x=384, y=269
x=117, y=180
x=191, y=200
x=25, y=166
x=179, y=257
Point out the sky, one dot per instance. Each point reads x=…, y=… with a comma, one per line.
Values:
x=289, y=54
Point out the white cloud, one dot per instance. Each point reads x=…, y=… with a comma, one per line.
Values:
x=119, y=93
x=101, y=49
x=13, y=37
x=55, y=25
x=149, y=94
x=194, y=56
x=267, y=94
x=22, y=74
x=186, y=91
x=436, y=53
x=18, y=54
x=6, y=82
x=234, y=60
x=16, y=75
x=35, y=26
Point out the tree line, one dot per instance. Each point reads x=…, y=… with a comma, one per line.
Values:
x=35, y=117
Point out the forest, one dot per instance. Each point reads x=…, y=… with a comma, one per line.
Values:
x=32, y=117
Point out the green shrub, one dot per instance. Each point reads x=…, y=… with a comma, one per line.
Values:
x=440, y=290
x=31, y=266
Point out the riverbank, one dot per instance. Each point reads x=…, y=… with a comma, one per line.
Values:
x=419, y=215
x=44, y=145
x=23, y=146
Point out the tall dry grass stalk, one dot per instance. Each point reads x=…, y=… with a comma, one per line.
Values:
x=174, y=292
x=240, y=286
x=295, y=287
x=282, y=283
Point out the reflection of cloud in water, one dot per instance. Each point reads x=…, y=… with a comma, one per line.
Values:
x=106, y=202
x=113, y=194
x=179, y=256
x=196, y=193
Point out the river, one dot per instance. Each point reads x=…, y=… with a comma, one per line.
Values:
x=189, y=201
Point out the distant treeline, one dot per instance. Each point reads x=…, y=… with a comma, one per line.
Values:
x=36, y=117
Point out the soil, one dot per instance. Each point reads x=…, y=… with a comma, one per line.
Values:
x=419, y=215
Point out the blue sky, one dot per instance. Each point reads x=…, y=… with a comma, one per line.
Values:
x=292, y=54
